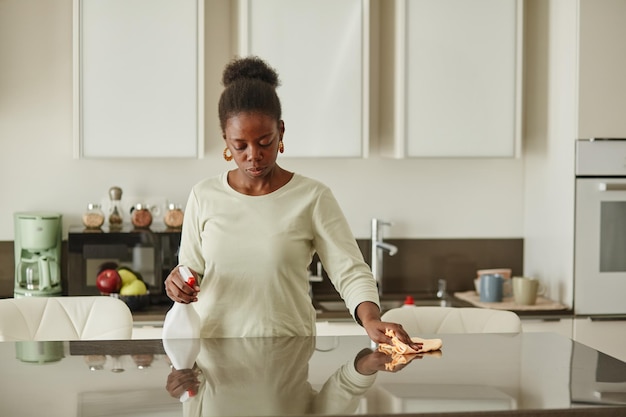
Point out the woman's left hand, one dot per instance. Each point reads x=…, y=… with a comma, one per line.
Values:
x=369, y=314
x=376, y=331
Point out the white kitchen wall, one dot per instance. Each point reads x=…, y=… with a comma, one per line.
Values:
x=551, y=116
x=425, y=198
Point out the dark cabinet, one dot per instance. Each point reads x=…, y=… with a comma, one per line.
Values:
x=153, y=253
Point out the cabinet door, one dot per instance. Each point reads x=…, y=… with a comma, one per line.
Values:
x=602, y=58
x=138, y=70
x=607, y=336
x=458, y=78
x=320, y=50
x=559, y=326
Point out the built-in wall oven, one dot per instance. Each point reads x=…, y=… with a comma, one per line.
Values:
x=600, y=227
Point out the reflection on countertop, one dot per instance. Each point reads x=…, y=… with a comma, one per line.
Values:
x=503, y=374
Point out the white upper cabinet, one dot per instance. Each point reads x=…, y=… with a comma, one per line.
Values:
x=456, y=79
x=602, y=59
x=138, y=78
x=320, y=49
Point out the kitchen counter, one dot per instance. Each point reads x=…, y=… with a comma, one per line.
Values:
x=156, y=313
x=506, y=374
x=338, y=312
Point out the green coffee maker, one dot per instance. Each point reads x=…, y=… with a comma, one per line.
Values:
x=37, y=254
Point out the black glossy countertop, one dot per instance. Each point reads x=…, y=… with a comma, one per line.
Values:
x=473, y=374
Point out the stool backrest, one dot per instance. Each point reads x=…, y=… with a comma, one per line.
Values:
x=64, y=318
x=434, y=320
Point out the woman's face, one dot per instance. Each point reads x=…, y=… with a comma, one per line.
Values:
x=253, y=141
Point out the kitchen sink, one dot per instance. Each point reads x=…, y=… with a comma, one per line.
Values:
x=338, y=306
x=341, y=306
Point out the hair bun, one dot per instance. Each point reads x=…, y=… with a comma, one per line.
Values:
x=251, y=67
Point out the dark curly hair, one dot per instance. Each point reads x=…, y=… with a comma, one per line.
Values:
x=249, y=86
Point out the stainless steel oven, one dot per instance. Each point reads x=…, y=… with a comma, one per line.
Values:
x=600, y=229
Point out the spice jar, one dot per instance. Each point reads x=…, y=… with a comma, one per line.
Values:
x=95, y=362
x=143, y=360
x=174, y=216
x=115, y=212
x=141, y=216
x=93, y=218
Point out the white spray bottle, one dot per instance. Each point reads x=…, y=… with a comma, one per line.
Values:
x=181, y=333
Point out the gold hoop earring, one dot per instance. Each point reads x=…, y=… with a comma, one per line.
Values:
x=281, y=146
x=227, y=155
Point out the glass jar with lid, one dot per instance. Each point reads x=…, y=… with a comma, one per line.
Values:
x=93, y=217
x=173, y=216
x=141, y=215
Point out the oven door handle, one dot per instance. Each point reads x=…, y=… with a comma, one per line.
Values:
x=604, y=186
x=608, y=318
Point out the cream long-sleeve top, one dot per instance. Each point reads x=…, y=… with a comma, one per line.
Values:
x=253, y=253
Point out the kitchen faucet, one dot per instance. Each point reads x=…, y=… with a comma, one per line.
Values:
x=378, y=247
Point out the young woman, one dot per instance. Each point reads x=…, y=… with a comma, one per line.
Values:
x=249, y=234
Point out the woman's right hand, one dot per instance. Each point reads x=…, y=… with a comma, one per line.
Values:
x=177, y=289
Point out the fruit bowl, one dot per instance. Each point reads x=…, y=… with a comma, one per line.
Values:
x=134, y=302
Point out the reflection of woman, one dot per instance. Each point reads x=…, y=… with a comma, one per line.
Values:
x=269, y=376
x=251, y=232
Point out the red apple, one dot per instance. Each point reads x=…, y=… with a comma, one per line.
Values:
x=108, y=281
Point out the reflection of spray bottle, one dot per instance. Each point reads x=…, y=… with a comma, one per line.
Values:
x=181, y=333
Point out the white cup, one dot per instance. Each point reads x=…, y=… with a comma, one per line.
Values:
x=526, y=290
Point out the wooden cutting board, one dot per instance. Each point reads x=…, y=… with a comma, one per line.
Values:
x=508, y=303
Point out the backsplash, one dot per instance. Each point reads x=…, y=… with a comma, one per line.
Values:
x=415, y=269
x=420, y=263
x=7, y=269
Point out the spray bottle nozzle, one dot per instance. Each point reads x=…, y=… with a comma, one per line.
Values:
x=187, y=275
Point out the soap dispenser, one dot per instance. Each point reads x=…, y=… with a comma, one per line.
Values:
x=409, y=302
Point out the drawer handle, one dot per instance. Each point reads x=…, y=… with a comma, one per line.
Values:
x=612, y=186
x=600, y=318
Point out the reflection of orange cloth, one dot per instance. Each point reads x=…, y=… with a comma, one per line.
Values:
x=401, y=353
x=397, y=359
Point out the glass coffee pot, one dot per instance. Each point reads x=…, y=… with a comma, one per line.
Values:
x=34, y=274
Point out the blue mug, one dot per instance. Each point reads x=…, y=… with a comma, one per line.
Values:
x=491, y=288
